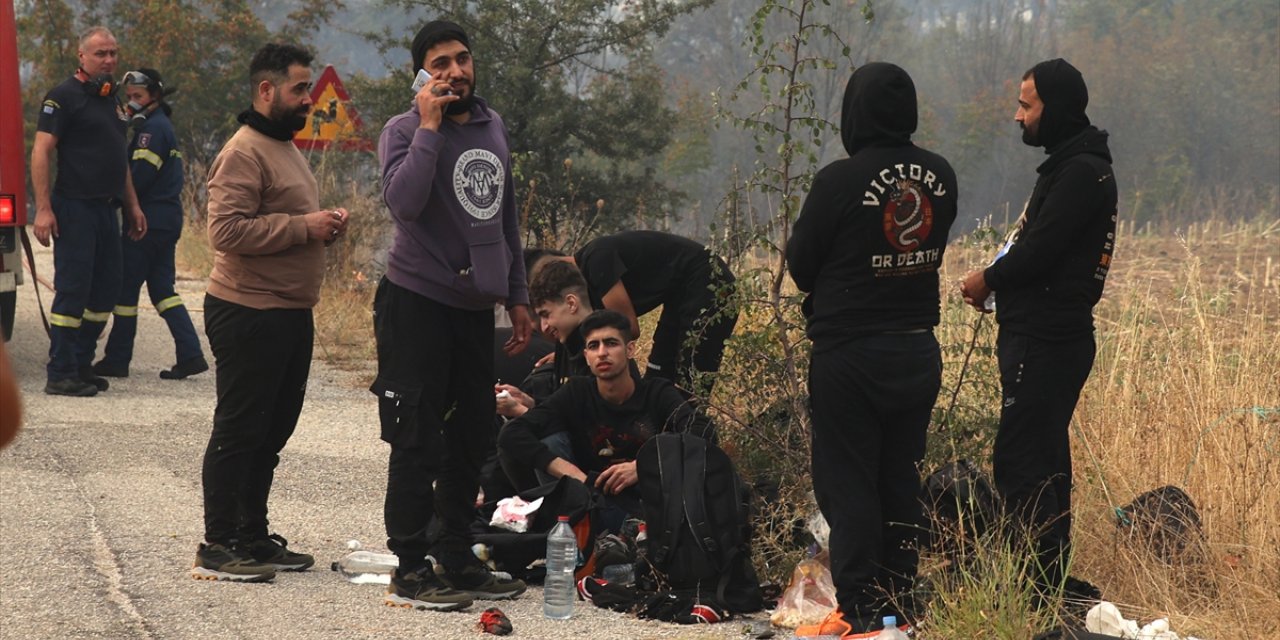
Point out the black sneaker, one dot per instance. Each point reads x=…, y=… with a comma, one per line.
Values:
x=273, y=551
x=422, y=589
x=87, y=375
x=188, y=367
x=108, y=370
x=611, y=549
x=70, y=387
x=475, y=580
x=220, y=562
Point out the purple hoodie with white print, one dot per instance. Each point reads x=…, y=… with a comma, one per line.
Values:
x=451, y=196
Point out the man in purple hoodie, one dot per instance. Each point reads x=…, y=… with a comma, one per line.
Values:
x=446, y=177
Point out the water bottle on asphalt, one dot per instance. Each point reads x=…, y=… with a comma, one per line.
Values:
x=367, y=567
x=558, y=592
x=891, y=630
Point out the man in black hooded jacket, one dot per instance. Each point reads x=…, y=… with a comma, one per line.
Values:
x=866, y=248
x=1046, y=284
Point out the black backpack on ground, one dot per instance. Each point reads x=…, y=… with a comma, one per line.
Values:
x=698, y=522
x=1165, y=522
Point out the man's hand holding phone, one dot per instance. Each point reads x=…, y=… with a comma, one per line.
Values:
x=431, y=95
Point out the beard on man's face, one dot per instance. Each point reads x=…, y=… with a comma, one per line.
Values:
x=294, y=119
x=1030, y=135
x=463, y=104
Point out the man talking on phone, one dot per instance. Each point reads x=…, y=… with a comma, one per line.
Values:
x=446, y=178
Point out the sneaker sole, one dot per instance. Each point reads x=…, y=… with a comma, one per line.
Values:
x=297, y=566
x=87, y=393
x=489, y=595
x=393, y=600
x=204, y=573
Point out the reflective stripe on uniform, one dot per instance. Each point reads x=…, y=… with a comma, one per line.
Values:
x=168, y=303
x=126, y=312
x=149, y=156
x=59, y=320
x=97, y=316
x=174, y=153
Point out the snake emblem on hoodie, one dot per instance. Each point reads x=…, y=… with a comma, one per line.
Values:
x=908, y=215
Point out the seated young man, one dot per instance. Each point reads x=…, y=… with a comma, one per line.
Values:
x=607, y=417
x=558, y=294
x=635, y=272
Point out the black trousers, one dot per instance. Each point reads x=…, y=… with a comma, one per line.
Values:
x=263, y=359
x=872, y=398
x=1041, y=383
x=436, y=405
x=693, y=328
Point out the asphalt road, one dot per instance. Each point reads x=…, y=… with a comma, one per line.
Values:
x=100, y=513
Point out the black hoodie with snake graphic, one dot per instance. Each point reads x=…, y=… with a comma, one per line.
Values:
x=873, y=229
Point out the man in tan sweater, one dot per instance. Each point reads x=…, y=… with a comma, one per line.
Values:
x=269, y=233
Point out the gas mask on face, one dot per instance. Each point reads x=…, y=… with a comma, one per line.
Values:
x=139, y=112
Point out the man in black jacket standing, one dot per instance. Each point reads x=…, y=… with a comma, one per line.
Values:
x=1046, y=283
x=866, y=248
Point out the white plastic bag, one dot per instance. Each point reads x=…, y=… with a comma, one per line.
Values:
x=513, y=514
x=1105, y=618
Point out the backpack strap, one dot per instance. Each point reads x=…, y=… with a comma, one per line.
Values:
x=726, y=575
x=695, y=502
x=671, y=473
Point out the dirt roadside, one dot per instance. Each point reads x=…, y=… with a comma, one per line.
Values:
x=100, y=513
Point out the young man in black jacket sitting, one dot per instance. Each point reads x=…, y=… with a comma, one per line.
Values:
x=607, y=417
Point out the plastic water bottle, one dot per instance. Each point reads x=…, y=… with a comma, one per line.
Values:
x=891, y=630
x=367, y=567
x=558, y=591
x=622, y=573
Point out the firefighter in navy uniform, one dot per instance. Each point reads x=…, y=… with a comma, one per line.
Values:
x=156, y=167
x=84, y=126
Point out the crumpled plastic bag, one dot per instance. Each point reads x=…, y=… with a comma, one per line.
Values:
x=817, y=526
x=810, y=596
x=1105, y=618
x=513, y=514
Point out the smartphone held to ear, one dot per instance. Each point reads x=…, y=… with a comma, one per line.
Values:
x=421, y=81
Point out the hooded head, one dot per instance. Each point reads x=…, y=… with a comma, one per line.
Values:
x=879, y=107
x=1060, y=89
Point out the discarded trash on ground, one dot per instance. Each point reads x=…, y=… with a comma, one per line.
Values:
x=1106, y=618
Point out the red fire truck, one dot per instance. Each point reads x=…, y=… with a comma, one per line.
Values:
x=13, y=171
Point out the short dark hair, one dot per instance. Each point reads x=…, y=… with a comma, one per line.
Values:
x=272, y=62
x=536, y=255
x=554, y=281
x=606, y=318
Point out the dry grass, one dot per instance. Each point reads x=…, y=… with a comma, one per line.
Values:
x=1185, y=391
